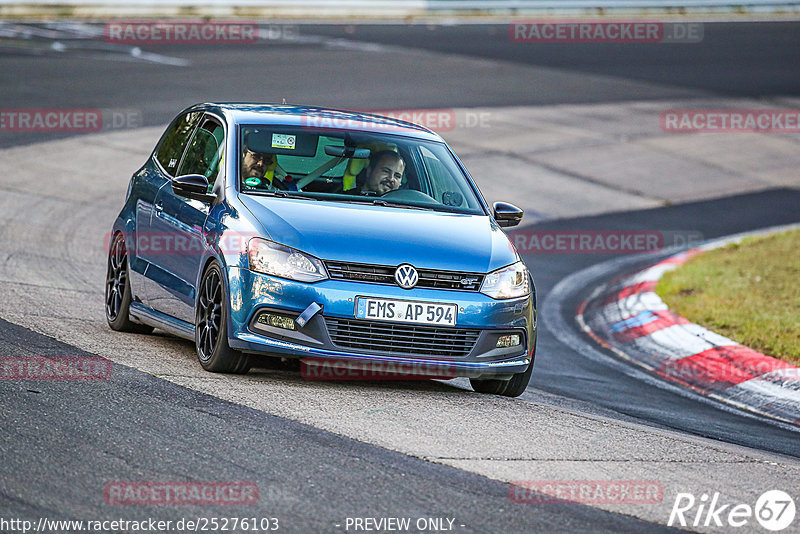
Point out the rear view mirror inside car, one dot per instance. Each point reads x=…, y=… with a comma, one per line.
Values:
x=347, y=152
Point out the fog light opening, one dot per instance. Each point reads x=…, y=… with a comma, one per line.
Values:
x=277, y=320
x=508, y=341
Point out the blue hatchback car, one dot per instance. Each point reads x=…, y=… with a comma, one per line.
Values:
x=325, y=235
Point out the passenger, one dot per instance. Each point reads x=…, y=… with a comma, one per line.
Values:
x=383, y=174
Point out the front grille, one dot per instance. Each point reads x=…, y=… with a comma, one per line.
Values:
x=384, y=274
x=414, y=340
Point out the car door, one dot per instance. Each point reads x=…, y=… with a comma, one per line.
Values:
x=181, y=222
x=156, y=174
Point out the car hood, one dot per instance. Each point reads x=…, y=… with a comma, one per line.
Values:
x=383, y=235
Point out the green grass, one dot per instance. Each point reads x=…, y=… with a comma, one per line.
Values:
x=749, y=292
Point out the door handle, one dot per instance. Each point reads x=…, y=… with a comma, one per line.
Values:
x=159, y=206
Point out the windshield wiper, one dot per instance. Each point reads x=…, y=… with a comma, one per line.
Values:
x=353, y=199
x=388, y=203
x=378, y=202
x=282, y=194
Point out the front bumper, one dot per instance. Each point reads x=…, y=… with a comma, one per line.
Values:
x=481, y=317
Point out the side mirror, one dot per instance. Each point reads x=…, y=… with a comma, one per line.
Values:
x=194, y=186
x=506, y=214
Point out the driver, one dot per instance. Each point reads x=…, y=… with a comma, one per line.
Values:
x=261, y=169
x=383, y=174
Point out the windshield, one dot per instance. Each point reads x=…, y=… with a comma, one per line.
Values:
x=351, y=166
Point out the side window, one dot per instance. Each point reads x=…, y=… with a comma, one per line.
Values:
x=205, y=152
x=171, y=149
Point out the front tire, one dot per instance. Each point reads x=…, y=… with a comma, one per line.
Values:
x=513, y=387
x=211, y=327
x=118, y=290
x=518, y=383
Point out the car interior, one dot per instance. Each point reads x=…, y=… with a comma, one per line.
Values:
x=333, y=163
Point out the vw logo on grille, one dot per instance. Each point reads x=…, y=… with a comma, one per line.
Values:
x=406, y=276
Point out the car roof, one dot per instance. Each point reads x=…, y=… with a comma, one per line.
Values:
x=315, y=117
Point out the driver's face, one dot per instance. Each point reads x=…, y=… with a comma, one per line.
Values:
x=255, y=164
x=385, y=175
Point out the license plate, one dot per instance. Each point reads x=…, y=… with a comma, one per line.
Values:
x=406, y=311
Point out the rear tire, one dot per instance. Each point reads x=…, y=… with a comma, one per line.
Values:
x=211, y=327
x=118, y=290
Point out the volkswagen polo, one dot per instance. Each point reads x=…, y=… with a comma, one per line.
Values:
x=324, y=235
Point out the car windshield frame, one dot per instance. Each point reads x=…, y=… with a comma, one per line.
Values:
x=413, y=146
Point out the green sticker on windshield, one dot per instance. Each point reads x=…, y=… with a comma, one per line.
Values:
x=252, y=181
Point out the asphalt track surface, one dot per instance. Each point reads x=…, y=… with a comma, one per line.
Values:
x=69, y=442
x=755, y=60
x=66, y=443
x=732, y=59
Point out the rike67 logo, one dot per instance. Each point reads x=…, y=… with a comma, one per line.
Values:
x=774, y=510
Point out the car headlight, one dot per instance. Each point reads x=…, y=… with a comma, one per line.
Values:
x=507, y=283
x=272, y=258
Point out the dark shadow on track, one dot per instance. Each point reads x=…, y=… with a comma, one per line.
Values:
x=744, y=59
